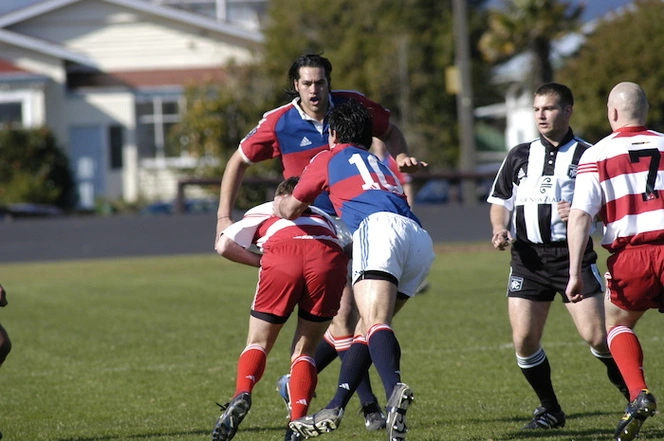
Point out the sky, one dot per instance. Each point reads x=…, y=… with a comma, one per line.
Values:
x=594, y=8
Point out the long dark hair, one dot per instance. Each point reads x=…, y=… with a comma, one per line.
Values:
x=307, y=60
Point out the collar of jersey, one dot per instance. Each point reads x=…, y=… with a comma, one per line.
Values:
x=303, y=114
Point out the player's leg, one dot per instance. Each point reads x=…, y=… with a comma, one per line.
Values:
x=588, y=316
x=377, y=298
x=628, y=354
x=342, y=331
x=250, y=368
x=303, y=371
x=5, y=344
x=325, y=280
x=280, y=283
x=353, y=368
x=527, y=318
x=635, y=282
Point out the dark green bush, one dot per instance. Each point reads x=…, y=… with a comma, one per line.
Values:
x=34, y=169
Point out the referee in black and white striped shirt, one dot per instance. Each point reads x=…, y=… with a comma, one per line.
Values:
x=530, y=202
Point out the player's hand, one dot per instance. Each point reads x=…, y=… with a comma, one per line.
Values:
x=501, y=239
x=275, y=205
x=563, y=210
x=574, y=290
x=409, y=164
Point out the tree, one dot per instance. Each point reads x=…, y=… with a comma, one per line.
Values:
x=34, y=169
x=216, y=119
x=529, y=26
x=622, y=47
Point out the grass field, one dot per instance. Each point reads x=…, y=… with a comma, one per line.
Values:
x=140, y=349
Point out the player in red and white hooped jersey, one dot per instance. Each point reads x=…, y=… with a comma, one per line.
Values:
x=302, y=265
x=616, y=180
x=621, y=179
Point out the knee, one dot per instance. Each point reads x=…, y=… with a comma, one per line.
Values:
x=525, y=345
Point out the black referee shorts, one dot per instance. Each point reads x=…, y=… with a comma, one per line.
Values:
x=538, y=272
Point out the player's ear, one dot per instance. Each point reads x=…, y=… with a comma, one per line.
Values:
x=332, y=136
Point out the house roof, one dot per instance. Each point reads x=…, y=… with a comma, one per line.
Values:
x=164, y=12
x=11, y=72
x=44, y=47
x=92, y=74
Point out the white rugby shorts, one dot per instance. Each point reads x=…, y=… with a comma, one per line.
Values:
x=393, y=244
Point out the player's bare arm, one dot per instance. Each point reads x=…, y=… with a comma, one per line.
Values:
x=230, y=186
x=236, y=253
x=500, y=217
x=578, y=231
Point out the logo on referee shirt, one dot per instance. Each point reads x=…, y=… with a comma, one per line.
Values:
x=516, y=283
x=571, y=171
x=545, y=184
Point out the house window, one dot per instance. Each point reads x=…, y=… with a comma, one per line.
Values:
x=115, y=142
x=156, y=115
x=11, y=113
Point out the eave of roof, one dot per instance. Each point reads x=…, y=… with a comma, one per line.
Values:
x=44, y=47
x=164, y=12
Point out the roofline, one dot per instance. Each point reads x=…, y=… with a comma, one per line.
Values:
x=178, y=15
x=44, y=47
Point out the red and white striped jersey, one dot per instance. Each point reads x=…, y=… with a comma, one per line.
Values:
x=260, y=227
x=621, y=179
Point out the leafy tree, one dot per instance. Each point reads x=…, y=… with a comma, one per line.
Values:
x=529, y=26
x=218, y=116
x=34, y=169
x=623, y=47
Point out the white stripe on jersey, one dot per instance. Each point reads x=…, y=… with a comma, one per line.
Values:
x=300, y=221
x=627, y=184
x=633, y=224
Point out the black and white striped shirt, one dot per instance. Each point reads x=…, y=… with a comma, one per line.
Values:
x=533, y=178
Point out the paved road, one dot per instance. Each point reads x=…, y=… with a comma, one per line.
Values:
x=67, y=238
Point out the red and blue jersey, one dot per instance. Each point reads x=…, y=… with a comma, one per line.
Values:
x=294, y=137
x=358, y=182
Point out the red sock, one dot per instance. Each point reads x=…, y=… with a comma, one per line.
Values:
x=250, y=368
x=626, y=350
x=303, y=381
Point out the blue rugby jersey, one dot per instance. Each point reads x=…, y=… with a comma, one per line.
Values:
x=358, y=182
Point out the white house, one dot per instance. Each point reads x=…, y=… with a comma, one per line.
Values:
x=107, y=76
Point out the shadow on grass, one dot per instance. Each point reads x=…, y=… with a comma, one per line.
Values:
x=158, y=435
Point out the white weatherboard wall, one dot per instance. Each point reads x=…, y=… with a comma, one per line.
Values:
x=121, y=40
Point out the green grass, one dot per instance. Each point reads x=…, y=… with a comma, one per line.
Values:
x=140, y=349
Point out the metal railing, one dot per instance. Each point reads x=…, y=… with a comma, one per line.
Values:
x=454, y=177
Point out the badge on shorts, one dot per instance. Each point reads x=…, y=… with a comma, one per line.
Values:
x=516, y=283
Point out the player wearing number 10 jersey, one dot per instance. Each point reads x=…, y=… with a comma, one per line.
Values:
x=392, y=255
x=351, y=174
